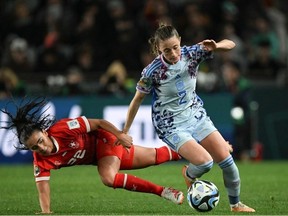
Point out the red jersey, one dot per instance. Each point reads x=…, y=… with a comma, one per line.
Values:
x=75, y=145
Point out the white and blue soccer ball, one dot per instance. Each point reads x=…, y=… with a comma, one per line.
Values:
x=203, y=196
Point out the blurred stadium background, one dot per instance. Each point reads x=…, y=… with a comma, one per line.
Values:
x=87, y=55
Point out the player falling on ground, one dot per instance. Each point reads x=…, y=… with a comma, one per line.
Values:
x=83, y=141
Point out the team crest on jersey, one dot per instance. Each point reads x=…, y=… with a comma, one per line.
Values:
x=73, y=124
x=36, y=170
x=143, y=82
x=74, y=145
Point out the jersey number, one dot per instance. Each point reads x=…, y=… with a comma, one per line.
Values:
x=180, y=86
x=78, y=155
x=182, y=95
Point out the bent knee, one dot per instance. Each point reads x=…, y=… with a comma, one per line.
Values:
x=108, y=180
x=196, y=171
x=206, y=159
x=207, y=166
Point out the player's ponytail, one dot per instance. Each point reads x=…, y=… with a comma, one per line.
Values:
x=28, y=118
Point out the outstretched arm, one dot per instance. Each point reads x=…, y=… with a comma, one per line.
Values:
x=43, y=188
x=223, y=45
x=133, y=109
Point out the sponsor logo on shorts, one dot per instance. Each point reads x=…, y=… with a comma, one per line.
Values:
x=175, y=138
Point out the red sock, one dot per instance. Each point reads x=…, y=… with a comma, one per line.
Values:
x=164, y=154
x=133, y=183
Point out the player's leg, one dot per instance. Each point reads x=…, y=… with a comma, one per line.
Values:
x=108, y=167
x=109, y=163
x=140, y=157
x=144, y=157
x=200, y=161
x=219, y=149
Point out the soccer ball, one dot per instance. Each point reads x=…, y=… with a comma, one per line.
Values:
x=203, y=196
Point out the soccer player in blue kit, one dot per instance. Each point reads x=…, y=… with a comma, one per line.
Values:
x=178, y=115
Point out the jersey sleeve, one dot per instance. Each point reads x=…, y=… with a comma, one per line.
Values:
x=197, y=53
x=41, y=169
x=145, y=84
x=79, y=125
x=71, y=127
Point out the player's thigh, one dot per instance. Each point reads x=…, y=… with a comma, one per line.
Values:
x=217, y=146
x=194, y=152
x=108, y=154
x=143, y=157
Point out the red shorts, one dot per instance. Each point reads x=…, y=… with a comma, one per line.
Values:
x=106, y=147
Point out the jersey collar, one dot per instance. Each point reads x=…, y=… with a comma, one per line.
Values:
x=55, y=143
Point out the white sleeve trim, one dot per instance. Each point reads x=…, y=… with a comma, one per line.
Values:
x=86, y=123
x=44, y=178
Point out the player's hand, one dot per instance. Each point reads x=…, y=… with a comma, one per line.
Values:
x=124, y=140
x=209, y=45
x=230, y=147
x=40, y=213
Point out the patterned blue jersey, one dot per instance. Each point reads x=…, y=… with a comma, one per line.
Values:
x=173, y=87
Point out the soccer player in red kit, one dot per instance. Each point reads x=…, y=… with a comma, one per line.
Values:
x=82, y=141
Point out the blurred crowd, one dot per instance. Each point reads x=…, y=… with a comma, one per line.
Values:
x=74, y=47
x=99, y=47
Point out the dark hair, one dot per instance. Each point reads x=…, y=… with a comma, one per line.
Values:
x=29, y=118
x=163, y=32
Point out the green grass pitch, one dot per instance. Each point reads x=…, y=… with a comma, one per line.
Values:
x=79, y=191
